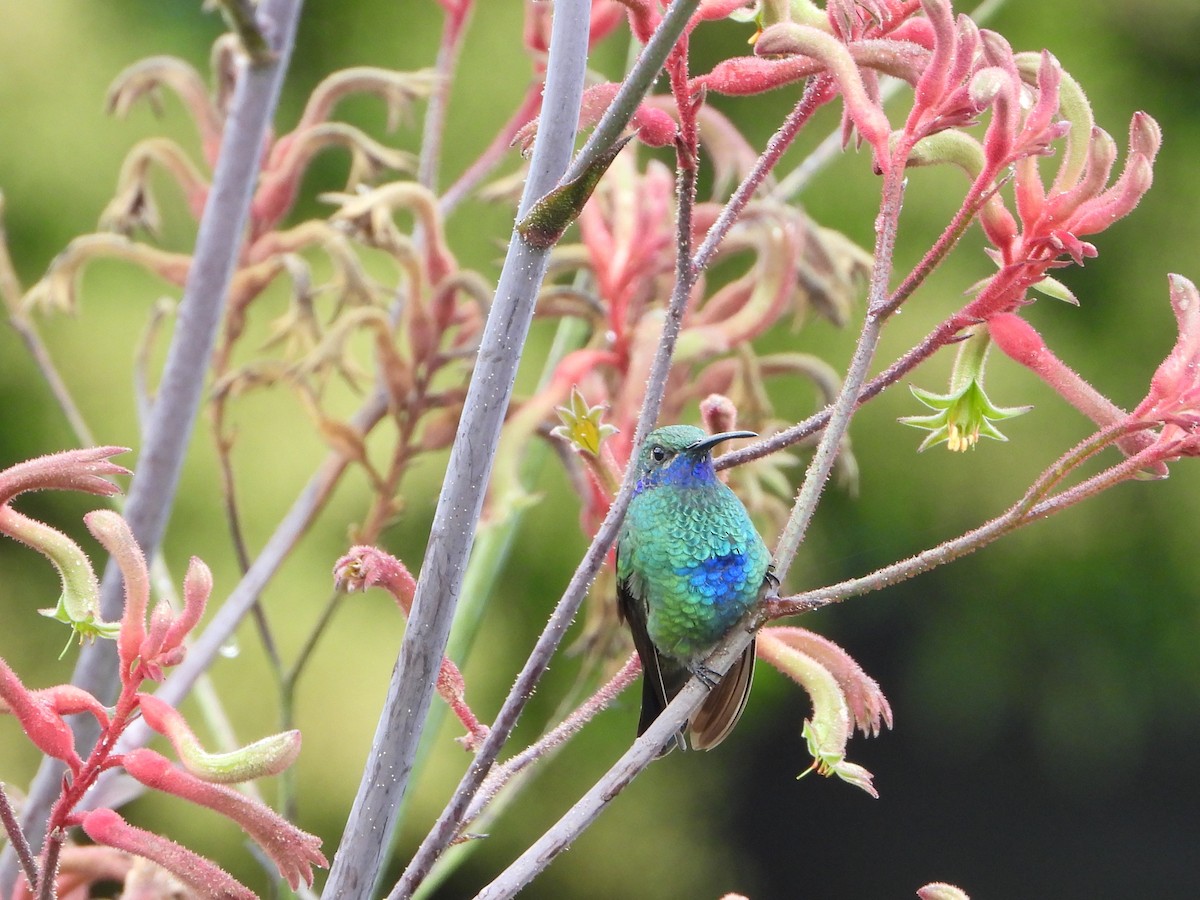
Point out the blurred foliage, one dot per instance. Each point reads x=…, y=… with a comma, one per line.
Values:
x=1045, y=691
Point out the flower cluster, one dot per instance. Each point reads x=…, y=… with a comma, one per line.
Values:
x=148, y=643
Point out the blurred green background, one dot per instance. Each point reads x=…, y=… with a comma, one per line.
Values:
x=1045, y=691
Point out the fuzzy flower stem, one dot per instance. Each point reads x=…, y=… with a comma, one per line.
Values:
x=50, y=856
x=16, y=837
x=218, y=245
x=978, y=195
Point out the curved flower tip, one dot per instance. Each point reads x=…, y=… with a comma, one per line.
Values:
x=829, y=729
x=152, y=649
x=366, y=567
x=293, y=851
x=79, y=602
x=826, y=762
x=1174, y=396
x=268, y=756
x=115, y=535
x=718, y=413
x=72, y=470
x=868, y=706
x=106, y=827
x=939, y=890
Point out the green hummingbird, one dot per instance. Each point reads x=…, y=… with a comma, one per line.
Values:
x=690, y=564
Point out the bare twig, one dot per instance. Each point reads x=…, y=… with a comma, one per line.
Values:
x=1033, y=506
x=16, y=839
x=809, y=102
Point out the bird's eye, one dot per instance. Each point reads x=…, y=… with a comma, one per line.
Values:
x=658, y=453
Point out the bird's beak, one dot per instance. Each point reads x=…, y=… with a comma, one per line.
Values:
x=709, y=442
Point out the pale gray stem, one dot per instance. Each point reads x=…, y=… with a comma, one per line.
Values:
x=445, y=829
x=151, y=496
x=372, y=819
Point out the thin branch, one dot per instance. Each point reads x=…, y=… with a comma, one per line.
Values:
x=16, y=839
x=809, y=102
x=1033, y=506
x=385, y=778
x=555, y=738
x=821, y=465
x=643, y=752
x=50, y=855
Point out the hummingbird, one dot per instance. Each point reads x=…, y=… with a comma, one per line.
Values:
x=690, y=564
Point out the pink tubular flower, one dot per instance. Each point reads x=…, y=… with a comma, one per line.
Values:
x=114, y=535
x=293, y=851
x=38, y=719
x=1174, y=397
x=1021, y=342
x=163, y=645
x=366, y=567
x=144, y=654
x=106, y=827
x=73, y=470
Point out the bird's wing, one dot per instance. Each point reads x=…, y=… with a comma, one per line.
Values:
x=724, y=705
x=632, y=609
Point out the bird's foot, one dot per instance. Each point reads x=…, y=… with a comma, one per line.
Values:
x=705, y=674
